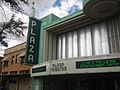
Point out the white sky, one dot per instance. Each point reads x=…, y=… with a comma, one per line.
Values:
x=43, y=8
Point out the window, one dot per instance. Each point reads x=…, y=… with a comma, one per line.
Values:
x=100, y=38
x=114, y=34
x=22, y=60
x=12, y=60
x=88, y=41
x=5, y=63
x=17, y=58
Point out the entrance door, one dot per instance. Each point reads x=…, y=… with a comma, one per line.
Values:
x=65, y=84
x=101, y=84
x=53, y=84
x=75, y=83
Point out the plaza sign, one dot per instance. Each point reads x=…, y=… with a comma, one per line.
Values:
x=32, y=48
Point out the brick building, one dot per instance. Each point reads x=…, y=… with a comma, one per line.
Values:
x=15, y=74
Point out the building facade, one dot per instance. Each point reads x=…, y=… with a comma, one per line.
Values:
x=15, y=74
x=0, y=69
x=0, y=63
x=80, y=51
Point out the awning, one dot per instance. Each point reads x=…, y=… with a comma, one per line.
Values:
x=21, y=55
x=5, y=59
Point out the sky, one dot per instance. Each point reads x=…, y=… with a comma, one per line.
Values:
x=60, y=8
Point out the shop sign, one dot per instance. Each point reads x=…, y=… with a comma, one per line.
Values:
x=32, y=48
x=98, y=63
x=56, y=67
x=39, y=69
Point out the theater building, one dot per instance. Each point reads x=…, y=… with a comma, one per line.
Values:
x=80, y=51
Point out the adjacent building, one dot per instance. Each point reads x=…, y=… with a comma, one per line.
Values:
x=0, y=63
x=77, y=52
x=15, y=74
x=0, y=69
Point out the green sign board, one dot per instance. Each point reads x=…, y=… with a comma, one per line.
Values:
x=98, y=63
x=32, y=48
x=39, y=69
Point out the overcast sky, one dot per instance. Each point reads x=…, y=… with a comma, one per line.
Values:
x=43, y=8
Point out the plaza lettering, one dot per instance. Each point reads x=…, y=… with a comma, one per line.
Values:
x=32, y=42
x=58, y=67
x=33, y=38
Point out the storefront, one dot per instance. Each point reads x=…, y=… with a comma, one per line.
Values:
x=83, y=82
x=98, y=74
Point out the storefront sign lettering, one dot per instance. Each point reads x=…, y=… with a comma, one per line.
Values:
x=58, y=67
x=39, y=69
x=98, y=63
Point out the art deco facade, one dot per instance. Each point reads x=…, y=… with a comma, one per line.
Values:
x=80, y=51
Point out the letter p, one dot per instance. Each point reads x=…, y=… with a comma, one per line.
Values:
x=33, y=23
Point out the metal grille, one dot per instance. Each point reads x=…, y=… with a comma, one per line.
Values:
x=97, y=39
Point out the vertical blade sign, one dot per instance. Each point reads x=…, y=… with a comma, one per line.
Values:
x=32, y=47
